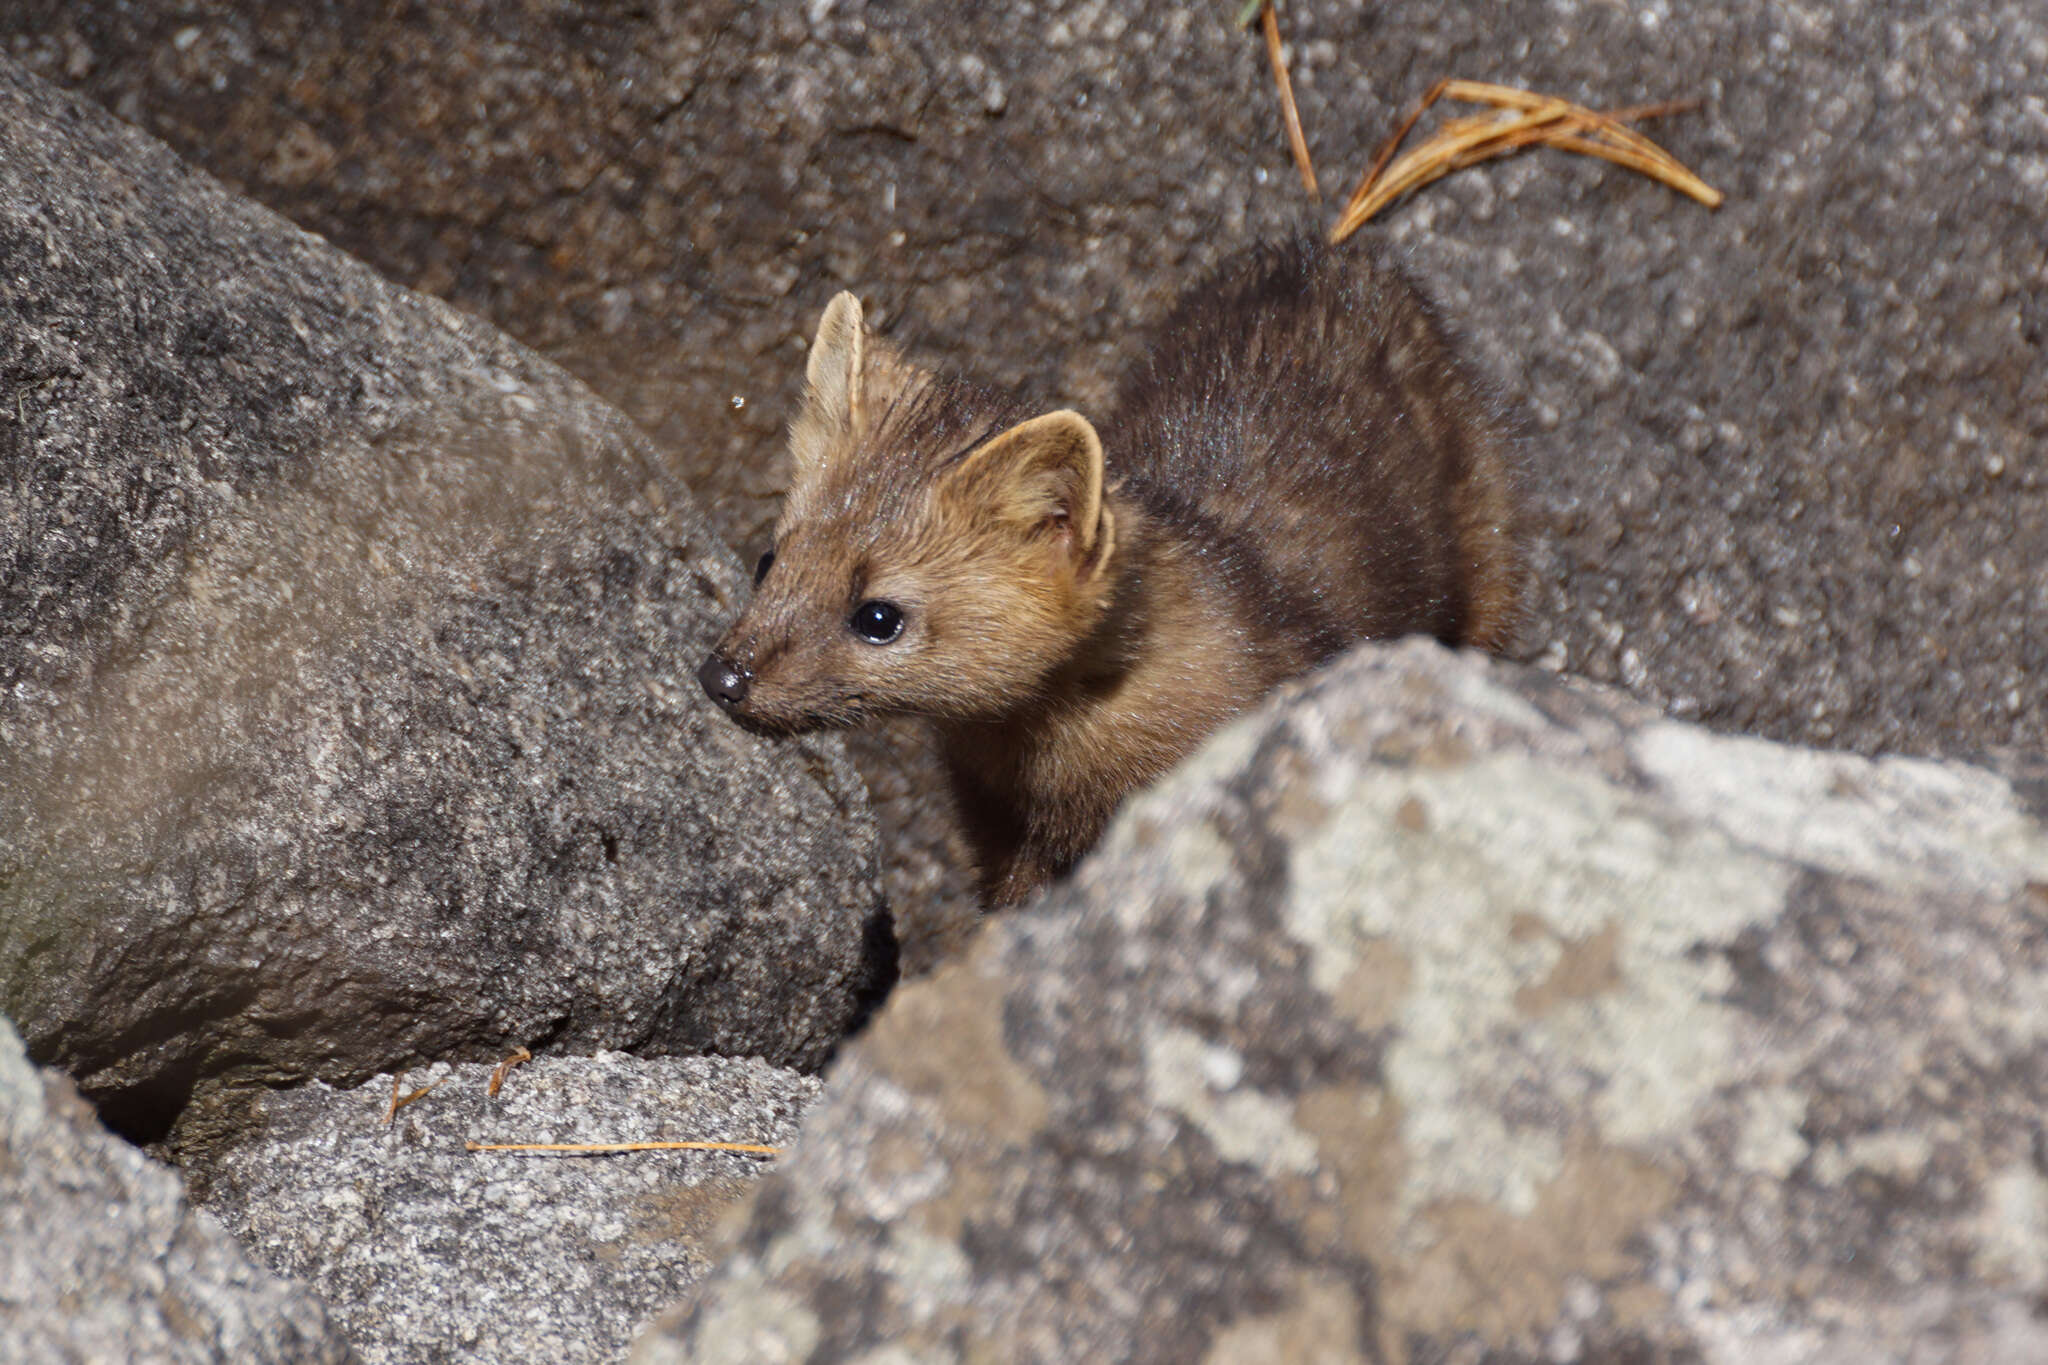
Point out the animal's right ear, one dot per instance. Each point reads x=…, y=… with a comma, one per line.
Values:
x=832, y=386
x=832, y=373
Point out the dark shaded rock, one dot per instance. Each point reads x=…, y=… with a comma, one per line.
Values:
x=1446, y=1011
x=346, y=715
x=102, y=1258
x=424, y=1251
x=1788, y=456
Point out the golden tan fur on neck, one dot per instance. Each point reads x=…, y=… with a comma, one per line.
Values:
x=1164, y=670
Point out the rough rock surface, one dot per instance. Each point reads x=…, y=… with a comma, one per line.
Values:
x=346, y=709
x=1788, y=456
x=103, y=1258
x=425, y=1251
x=1444, y=1011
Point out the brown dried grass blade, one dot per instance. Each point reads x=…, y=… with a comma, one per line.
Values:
x=1523, y=119
x=750, y=1148
x=1394, y=141
x=399, y=1102
x=504, y=1068
x=1297, y=142
x=1671, y=175
x=1507, y=97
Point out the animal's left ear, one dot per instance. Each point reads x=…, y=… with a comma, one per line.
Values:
x=1043, y=477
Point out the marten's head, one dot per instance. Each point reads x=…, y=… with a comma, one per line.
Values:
x=935, y=555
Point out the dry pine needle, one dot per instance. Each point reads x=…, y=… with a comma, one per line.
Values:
x=1520, y=119
x=750, y=1148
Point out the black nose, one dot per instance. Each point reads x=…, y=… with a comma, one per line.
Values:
x=722, y=682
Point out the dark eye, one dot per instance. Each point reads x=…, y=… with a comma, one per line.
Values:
x=761, y=569
x=877, y=622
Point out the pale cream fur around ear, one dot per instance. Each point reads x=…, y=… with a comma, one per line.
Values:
x=832, y=386
x=1044, y=471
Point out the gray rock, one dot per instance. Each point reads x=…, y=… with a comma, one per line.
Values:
x=1443, y=1011
x=1788, y=456
x=103, y=1259
x=346, y=709
x=425, y=1251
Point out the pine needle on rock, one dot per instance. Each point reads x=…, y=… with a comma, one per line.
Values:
x=1519, y=119
x=584, y=1148
x=399, y=1101
x=1297, y=141
x=504, y=1068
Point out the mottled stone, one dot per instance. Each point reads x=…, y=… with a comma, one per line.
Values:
x=103, y=1259
x=426, y=1251
x=1443, y=1010
x=346, y=709
x=1788, y=457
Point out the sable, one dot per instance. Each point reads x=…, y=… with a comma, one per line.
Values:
x=1299, y=462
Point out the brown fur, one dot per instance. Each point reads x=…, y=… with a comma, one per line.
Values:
x=1299, y=463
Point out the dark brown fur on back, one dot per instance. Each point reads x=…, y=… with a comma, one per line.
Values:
x=1305, y=417
x=1298, y=463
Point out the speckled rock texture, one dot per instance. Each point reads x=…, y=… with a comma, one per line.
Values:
x=425, y=1251
x=1446, y=1011
x=346, y=708
x=1787, y=457
x=102, y=1258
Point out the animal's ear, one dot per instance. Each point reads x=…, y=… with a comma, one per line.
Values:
x=833, y=370
x=832, y=386
x=1043, y=477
